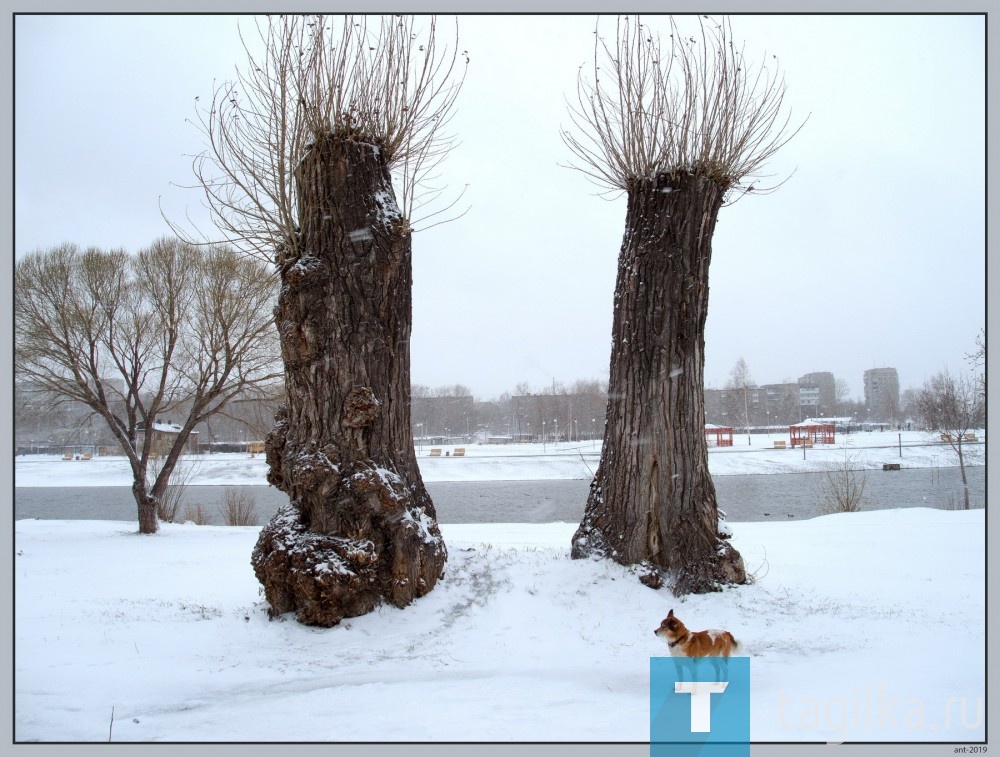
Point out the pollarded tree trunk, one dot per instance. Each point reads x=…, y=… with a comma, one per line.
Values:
x=360, y=528
x=652, y=500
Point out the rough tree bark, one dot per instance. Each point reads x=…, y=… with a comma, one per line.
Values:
x=652, y=500
x=146, y=507
x=360, y=528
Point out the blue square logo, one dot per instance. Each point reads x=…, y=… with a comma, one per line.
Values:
x=699, y=707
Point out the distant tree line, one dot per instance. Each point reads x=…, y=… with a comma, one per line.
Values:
x=556, y=413
x=571, y=412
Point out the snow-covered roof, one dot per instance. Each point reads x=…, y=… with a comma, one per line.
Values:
x=168, y=428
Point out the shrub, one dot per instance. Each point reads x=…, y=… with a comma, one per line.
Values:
x=184, y=472
x=843, y=487
x=196, y=514
x=239, y=507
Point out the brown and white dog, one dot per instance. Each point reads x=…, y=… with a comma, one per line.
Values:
x=685, y=643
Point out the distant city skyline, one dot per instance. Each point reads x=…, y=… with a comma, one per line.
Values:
x=856, y=388
x=571, y=411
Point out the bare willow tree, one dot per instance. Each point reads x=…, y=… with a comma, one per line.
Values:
x=681, y=129
x=172, y=332
x=302, y=148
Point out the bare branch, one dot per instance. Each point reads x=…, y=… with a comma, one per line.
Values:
x=374, y=79
x=695, y=106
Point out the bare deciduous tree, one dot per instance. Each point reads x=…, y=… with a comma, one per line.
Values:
x=738, y=390
x=138, y=337
x=302, y=149
x=680, y=130
x=955, y=406
x=841, y=395
x=978, y=360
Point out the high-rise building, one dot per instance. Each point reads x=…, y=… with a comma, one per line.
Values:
x=818, y=394
x=882, y=394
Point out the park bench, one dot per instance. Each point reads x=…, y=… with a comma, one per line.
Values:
x=780, y=445
x=436, y=452
x=459, y=451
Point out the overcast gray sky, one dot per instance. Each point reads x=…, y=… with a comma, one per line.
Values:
x=871, y=255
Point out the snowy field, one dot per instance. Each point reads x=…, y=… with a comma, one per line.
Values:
x=531, y=462
x=860, y=627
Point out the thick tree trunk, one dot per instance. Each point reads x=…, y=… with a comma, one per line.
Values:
x=652, y=500
x=148, y=497
x=146, y=506
x=360, y=528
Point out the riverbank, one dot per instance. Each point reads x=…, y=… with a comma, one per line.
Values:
x=532, y=462
x=164, y=638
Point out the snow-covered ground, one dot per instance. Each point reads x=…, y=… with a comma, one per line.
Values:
x=860, y=627
x=530, y=462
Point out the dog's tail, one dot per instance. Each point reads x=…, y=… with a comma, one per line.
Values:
x=739, y=649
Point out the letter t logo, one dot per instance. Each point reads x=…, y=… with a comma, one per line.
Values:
x=701, y=701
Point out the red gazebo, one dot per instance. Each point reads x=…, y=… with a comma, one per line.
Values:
x=718, y=436
x=812, y=431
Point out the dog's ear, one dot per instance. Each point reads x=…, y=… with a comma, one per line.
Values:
x=670, y=614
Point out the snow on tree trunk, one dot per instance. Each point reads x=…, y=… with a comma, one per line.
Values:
x=360, y=527
x=652, y=500
x=146, y=508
